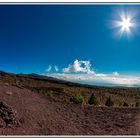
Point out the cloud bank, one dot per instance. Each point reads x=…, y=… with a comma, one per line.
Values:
x=100, y=79
x=80, y=72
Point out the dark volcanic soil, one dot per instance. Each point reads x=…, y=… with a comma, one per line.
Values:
x=32, y=114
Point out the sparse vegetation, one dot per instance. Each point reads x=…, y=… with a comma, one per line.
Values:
x=109, y=101
x=125, y=104
x=50, y=100
x=50, y=94
x=93, y=100
x=77, y=98
x=62, y=90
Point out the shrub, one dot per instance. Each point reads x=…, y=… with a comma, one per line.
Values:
x=77, y=98
x=93, y=100
x=49, y=94
x=125, y=104
x=137, y=104
x=120, y=103
x=109, y=102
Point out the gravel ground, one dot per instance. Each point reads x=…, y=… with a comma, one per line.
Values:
x=32, y=114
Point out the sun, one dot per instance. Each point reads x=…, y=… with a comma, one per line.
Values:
x=124, y=23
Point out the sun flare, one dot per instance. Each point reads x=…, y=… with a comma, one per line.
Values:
x=125, y=23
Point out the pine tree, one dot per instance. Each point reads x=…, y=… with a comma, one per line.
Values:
x=125, y=104
x=93, y=100
x=109, y=102
x=137, y=104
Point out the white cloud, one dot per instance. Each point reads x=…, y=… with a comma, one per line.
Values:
x=48, y=69
x=79, y=66
x=56, y=68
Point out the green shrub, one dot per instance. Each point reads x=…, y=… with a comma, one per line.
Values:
x=137, y=104
x=109, y=102
x=120, y=103
x=49, y=94
x=77, y=98
x=93, y=100
x=125, y=104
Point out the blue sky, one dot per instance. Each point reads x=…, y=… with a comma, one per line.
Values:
x=32, y=37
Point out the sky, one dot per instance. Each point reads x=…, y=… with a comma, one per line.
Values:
x=82, y=43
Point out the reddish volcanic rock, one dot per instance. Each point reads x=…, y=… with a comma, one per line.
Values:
x=7, y=115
